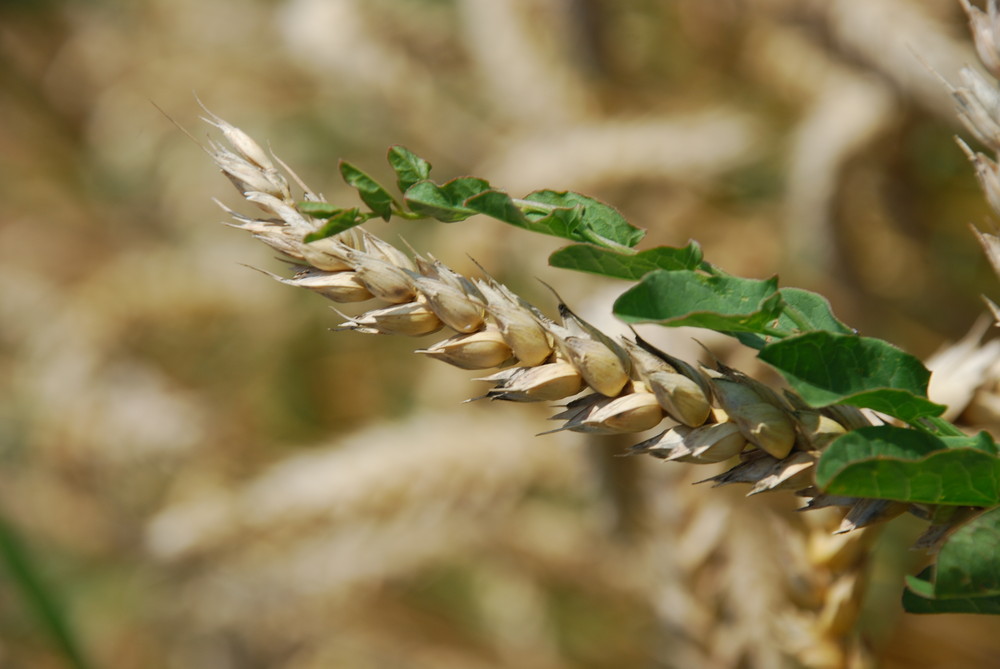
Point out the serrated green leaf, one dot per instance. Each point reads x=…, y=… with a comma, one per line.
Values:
x=684, y=297
x=829, y=368
x=907, y=465
x=919, y=598
x=372, y=192
x=968, y=564
x=445, y=202
x=408, y=166
x=342, y=219
x=606, y=262
x=596, y=216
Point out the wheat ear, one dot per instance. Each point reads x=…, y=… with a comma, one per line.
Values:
x=614, y=386
x=630, y=385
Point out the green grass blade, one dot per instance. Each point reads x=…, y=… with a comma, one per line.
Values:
x=38, y=597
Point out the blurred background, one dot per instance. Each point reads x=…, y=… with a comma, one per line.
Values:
x=205, y=477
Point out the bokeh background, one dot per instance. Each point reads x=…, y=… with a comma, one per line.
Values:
x=205, y=477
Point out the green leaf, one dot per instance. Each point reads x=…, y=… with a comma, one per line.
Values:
x=340, y=220
x=982, y=441
x=802, y=311
x=560, y=222
x=684, y=297
x=445, y=202
x=969, y=562
x=567, y=215
x=38, y=597
x=372, y=192
x=907, y=465
x=597, y=216
x=828, y=368
x=563, y=223
x=409, y=167
x=919, y=598
x=597, y=260
x=813, y=310
x=318, y=209
x=498, y=205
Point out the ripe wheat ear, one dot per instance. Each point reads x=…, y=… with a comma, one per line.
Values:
x=613, y=386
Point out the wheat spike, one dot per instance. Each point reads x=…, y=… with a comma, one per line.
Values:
x=494, y=328
x=716, y=414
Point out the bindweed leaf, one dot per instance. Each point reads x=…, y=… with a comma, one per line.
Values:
x=813, y=309
x=560, y=222
x=829, y=368
x=445, y=202
x=606, y=262
x=372, y=192
x=684, y=297
x=595, y=216
x=906, y=465
x=919, y=598
x=922, y=584
x=563, y=223
x=498, y=205
x=340, y=220
x=982, y=441
x=567, y=215
x=969, y=562
x=801, y=311
x=318, y=209
x=409, y=167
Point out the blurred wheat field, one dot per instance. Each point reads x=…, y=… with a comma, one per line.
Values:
x=206, y=477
